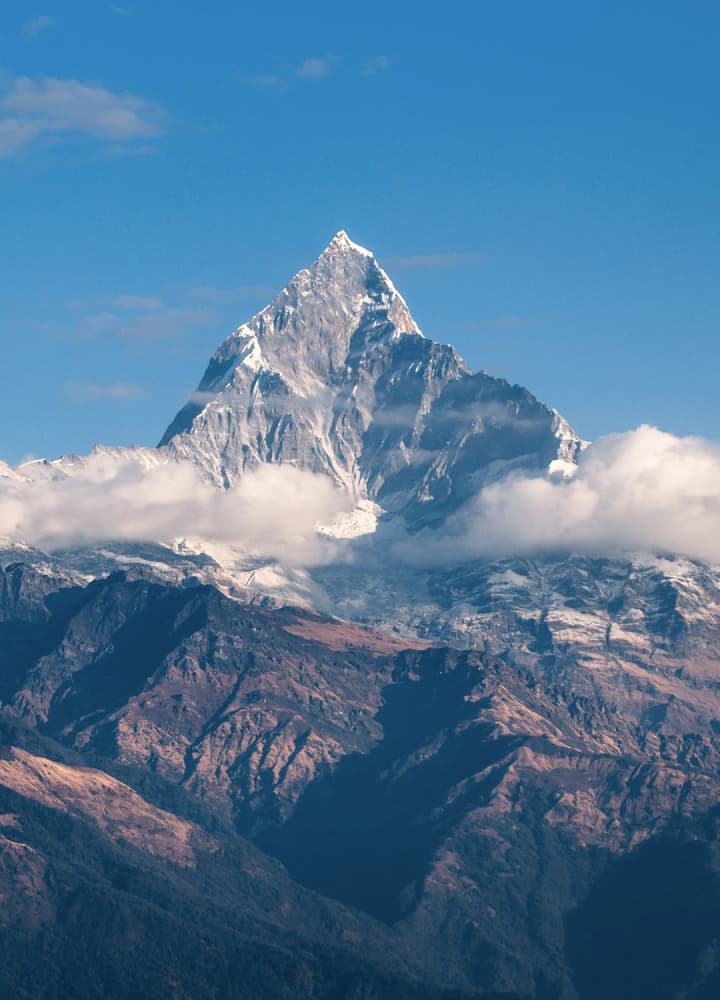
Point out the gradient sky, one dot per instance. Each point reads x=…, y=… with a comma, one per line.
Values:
x=541, y=181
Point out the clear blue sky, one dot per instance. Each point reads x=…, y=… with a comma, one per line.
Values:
x=541, y=180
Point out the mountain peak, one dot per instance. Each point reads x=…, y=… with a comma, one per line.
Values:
x=341, y=243
x=351, y=274
x=335, y=377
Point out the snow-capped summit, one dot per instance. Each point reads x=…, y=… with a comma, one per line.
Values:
x=335, y=376
x=313, y=323
x=341, y=243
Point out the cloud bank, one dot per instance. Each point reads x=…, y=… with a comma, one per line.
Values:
x=642, y=491
x=273, y=512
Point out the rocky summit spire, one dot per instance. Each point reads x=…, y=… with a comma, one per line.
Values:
x=335, y=377
x=341, y=243
x=335, y=313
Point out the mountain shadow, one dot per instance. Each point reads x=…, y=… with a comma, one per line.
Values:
x=366, y=833
x=650, y=924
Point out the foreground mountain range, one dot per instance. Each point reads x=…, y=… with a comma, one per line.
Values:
x=381, y=759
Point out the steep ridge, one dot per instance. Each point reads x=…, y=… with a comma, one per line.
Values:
x=107, y=895
x=334, y=376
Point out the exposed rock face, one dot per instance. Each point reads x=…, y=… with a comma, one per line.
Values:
x=335, y=377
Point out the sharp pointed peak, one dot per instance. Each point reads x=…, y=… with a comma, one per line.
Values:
x=341, y=243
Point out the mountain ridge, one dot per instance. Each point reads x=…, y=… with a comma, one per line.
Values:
x=466, y=757
x=335, y=376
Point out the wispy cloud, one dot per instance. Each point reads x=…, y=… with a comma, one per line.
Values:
x=171, y=323
x=46, y=107
x=239, y=294
x=98, y=324
x=136, y=317
x=137, y=302
x=31, y=29
x=315, y=68
x=120, y=11
x=16, y=134
x=431, y=260
x=164, y=314
x=151, y=325
x=201, y=398
x=375, y=65
x=269, y=81
x=88, y=392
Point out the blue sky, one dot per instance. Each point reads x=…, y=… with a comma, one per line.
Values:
x=540, y=180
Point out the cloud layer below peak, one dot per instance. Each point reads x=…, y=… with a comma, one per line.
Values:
x=138, y=497
x=640, y=491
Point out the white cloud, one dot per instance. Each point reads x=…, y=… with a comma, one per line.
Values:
x=315, y=68
x=375, y=65
x=273, y=512
x=88, y=392
x=31, y=109
x=33, y=28
x=642, y=491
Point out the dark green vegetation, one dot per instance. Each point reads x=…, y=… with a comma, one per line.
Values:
x=648, y=927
